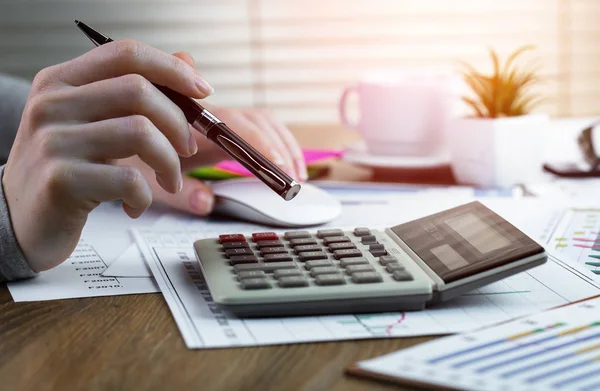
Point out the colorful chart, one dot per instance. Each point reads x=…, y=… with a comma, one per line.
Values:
x=554, y=350
x=578, y=238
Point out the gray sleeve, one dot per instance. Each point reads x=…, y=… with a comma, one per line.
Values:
x=13, y=96
x=13, y=265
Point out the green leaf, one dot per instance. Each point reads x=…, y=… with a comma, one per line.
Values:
x=516, y=54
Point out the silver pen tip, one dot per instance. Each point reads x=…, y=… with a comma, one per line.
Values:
x=292, y=191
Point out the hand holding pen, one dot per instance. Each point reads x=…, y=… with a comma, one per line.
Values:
x=81, y=119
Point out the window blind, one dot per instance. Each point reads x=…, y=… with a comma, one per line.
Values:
x=295, y=57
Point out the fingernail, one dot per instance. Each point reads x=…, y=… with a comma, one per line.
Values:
x=277, y=158
x=203, y=85
x=201, y=202
x=193, y=145
x=302, y=173
x=180, y=185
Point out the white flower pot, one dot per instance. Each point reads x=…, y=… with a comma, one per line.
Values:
x=499, y=152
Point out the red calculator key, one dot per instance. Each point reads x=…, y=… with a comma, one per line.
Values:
x=232, y=238
x=264, y=236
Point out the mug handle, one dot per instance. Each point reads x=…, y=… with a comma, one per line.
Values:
x=342, y=106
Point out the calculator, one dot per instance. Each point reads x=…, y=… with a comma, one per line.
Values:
x=332, y=271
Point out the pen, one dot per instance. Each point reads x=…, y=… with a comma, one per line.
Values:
x=215, y=130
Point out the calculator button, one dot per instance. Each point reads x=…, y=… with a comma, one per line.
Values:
x=273, y=250
x=287, y=273
x=228, y=245
x=330, y=279
x=359, y=268
x=402, y=275
x=392, y=267
x=251, y=274
x=307, y=247
x=323, y=233
x=376, y=246
x=368, y=239
x=266, y=267
x=304, y=241
x=315, y=271
x=258, y=236
x=239, y=259
x=312, y=255
x=339, y=254
x=278, y=257
x=292, y=281
x=268, y=243
x=231, y=238
x=255, y=283
x=297, y=235
x=362, y=231
x=366, y=277
x=353, y=261
x=378, y=253
x=310, y=264
x=387, y=259
x=238, y=251
x=341, y=246
x=335, y=239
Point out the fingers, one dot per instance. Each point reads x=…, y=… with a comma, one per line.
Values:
x=125, y=57
x=185, y=56
x=195, y=198
x=291, y=145
x=120, y=138
x=100, y=182
x=122, y=97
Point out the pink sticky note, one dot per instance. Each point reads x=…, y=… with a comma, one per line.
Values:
x=311, y=156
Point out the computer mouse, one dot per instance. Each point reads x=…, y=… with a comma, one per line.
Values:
x=251, y=200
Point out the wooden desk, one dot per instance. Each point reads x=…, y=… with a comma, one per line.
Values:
x=133, y=343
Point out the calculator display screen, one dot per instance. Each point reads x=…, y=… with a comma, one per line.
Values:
x=465, y=240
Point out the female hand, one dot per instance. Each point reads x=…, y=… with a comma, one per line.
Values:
x=80, y=117
x=261, y=129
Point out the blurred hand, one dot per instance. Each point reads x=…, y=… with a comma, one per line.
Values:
x=82, y=115
x=261, y=129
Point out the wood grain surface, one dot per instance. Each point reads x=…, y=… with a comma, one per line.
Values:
x=132, y=342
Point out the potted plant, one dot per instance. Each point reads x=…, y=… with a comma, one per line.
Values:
x=500, y=144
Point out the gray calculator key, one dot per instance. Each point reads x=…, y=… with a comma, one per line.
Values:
x=273, y=250
x=267, y=243
x=312, y=255
x=359, y=268
x=322, y=262
x=376, y=246
x=366, y=277
x=387, y=259
x=278, y=257
x=238, y=251
x=330, y=279
x=341, y=246
x=307, y=247
x=267, y=266
x=228, y=245
x=255, y=283
x=353, y=261
x=339, y=254
x=315, y=271
x=378, y=253
x=292, y=281
x=335, y=239
x=392, y=267
x=287, y=273
x=296, y=235
x=239, y=259
x=368, y=239
x=299, y=242
x=362, y=231
x=402, y=275
x=251, y=274
x=323, y=233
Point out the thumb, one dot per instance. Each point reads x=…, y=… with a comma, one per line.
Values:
x=196, y=197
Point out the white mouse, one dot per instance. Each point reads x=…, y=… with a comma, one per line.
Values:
x=251, y=200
